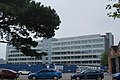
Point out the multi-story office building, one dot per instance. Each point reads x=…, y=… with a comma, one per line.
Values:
x=80, y=50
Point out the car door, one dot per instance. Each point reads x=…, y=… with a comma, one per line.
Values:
x=42, y=74
x=83, y=74
x=91, y=74
x=49, y=74
x=45, y=74
x=10, y=74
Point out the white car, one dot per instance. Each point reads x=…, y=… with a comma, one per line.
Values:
x=24, y=72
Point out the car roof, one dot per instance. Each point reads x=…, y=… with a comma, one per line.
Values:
x=8, y=70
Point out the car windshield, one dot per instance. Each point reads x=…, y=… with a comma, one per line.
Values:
x=83, y=71
x=88, y=70
x=13, y=71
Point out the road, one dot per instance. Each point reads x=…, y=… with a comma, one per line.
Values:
x=66, y=76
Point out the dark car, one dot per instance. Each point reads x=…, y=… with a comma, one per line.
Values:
x=8, y=74
x=116, y=76
x=46, y=74
x=88, y=74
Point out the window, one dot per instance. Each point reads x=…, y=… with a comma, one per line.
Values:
x=3, y=71
x=9, y=72
x=65, y=43
x=65, y=48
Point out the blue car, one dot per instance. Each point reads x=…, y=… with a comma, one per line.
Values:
x=88, y=74
x=45, y=74
x=116, y=76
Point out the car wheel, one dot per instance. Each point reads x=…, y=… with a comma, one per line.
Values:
x=55, y=78
x=77, y=78
x=34, y=78
x=98, y=78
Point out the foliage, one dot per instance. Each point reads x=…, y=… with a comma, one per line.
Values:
x=21, y=18
x=115, y=10
x=104, y=59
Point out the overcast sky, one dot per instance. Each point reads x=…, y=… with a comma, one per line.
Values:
x=81, y=17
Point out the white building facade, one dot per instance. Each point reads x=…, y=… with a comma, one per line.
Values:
x=79, y=50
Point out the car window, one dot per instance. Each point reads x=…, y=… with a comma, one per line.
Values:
x=3, y=71
x=92, y=71
x=38, y=72
x=43, y=71
x=9, y=72
x=51, y=70
x=88, y=71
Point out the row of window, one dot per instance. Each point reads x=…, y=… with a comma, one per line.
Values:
x=79, y=47
x=17, y=51
x=63, y=53
x=56, y=58
x=60, y=62
x=69, y=48
x=76, y=57
x=78, y=42
x=78, y=52
x=78, y=62
x=25, y=63
x=23, y=59
x=16, y=55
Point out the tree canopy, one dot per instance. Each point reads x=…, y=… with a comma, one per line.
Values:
x=104, y=59
x=114, y=10
x=21, y=18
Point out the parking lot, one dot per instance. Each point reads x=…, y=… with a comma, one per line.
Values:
x=66, y=76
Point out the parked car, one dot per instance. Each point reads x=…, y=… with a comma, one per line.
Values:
x=103, y=70
x=8, y=74
x=88, y=74
x=46, y=73
x=24, y=72
x=116, y=76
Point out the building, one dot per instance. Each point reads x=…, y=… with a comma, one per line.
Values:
x=2, y=61
x=114, y=59
x=79, y=50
